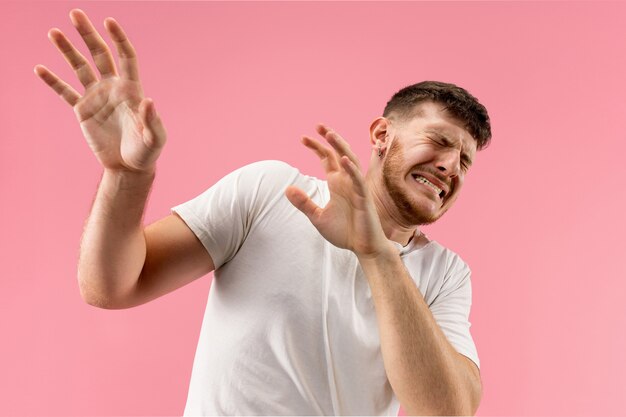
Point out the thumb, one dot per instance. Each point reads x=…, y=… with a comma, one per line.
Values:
x=302, y=202
x=154, y=134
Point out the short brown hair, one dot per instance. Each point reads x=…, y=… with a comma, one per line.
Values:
x=459, y=103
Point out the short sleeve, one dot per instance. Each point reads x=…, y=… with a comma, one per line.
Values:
x=451, y=309
x=221, y=217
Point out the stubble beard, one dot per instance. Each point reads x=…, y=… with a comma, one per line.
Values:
x=407, y=205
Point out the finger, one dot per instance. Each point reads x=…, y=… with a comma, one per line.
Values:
x=326, y=155
x=97, y=46
x=127, y=56
x=154, y=134
x=337, y=142
x=77, y=61
x=303, y=202
x=64, y=90
x=355, y=174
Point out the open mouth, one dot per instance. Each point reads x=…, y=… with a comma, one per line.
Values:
x=441, y=193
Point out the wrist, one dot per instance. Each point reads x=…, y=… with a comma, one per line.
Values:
x=382, y=265
x=386, y=251
x=119, y=179
x=131, y=175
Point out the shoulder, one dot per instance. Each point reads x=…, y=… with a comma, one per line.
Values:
x=264, y=182
x=270, y=165
x=274, y=171
x=450, y=275
x=453, y=265
x=278, y=175
x=268, y=174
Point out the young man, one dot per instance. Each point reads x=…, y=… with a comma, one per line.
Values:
x=327, y=298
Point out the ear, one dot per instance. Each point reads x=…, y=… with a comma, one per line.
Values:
x=379, y=132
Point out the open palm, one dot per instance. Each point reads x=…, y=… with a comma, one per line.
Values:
x=349, y=220
x=120, y=125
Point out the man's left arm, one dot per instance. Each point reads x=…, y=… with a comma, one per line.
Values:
x=427, y=374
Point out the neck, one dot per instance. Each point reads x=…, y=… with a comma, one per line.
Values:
x=394, y=226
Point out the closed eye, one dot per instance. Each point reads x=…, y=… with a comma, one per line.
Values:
x=465, y=160
x=443, y=141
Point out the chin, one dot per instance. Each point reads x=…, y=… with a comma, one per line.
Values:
x=421, y=210
x=425, y=218
x=417, y=212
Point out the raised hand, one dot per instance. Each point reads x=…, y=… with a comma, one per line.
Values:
x=120, y=125
x=349, y=220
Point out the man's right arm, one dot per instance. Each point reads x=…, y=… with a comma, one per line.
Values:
x=122, y=264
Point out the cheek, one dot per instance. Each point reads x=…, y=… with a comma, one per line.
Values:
x=421, y=155
x=414, y=149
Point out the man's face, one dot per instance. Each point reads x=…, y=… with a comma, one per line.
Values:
x=430, y=149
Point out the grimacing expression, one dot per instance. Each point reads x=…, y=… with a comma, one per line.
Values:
x=425, y=165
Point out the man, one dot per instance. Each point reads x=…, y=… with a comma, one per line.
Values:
x=327, y=298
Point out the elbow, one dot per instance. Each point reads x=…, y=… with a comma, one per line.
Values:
x=87, y=291
x=103, y=303
x=96, y=301
x=95, y=298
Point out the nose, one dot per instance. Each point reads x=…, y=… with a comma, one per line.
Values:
x=449, y=162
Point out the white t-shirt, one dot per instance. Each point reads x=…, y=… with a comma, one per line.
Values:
x=290, y=326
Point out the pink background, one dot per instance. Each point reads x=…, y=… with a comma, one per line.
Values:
x=540, y=220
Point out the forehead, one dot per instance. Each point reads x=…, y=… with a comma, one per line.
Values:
x=453, y=136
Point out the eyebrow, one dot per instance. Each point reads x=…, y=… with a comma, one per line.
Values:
x=447, y=140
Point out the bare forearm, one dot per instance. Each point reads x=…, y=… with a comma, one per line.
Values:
x=113, y=246
x=422, y=366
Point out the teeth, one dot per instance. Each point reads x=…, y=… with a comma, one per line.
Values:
x=425, y=181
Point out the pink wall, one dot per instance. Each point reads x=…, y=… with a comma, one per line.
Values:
x=540, y=220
